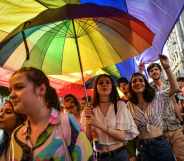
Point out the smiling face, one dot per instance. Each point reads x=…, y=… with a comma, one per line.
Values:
x=104, y=86
x=23, y=93
x=138, y=84
x=7, y=117
x=155, y=73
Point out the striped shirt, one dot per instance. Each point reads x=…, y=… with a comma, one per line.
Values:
x=152, y=116
x=170, y=120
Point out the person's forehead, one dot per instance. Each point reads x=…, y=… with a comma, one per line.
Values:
x=123, y=84
x=69, y=99
x=137, y=77
x=155, y=68
x=104, y=78
x=17, y=78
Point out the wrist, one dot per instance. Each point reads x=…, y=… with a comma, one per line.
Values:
x=167, y=68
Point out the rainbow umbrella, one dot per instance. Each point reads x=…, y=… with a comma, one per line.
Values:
x=58, y=40
x=75, y=38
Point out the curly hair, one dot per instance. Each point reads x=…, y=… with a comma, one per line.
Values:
x=148, y=93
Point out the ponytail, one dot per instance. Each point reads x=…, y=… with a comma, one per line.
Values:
x=52, y=99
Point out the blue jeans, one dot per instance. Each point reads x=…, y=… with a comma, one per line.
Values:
x=155, y=149
x=117, y=156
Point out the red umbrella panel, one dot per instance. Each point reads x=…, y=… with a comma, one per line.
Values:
x=62, y=87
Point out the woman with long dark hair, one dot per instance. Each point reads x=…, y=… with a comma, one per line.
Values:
x=109, y=121
x=9, y=120
x=147, y=108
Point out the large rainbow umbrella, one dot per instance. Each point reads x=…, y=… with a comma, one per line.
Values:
x=58, y=40
x=75, y=38
x=160, y=16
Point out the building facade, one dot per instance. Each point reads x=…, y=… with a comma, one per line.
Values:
x=175, y=47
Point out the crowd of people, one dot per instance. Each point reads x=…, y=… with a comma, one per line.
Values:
x=146, y=124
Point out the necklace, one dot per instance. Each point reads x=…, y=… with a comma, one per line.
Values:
x=104, y=108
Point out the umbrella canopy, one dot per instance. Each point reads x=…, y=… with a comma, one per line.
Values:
x=57, y=39
x=13, y=13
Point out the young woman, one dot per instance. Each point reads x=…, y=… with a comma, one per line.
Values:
x=47, y=133
x=147, y=108
x=72, y=105
x=9, y=120
x=109, y=122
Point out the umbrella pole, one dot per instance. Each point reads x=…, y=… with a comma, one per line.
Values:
x=25, y=41
x=26, y=45
x=81, y=68
x=80, y=63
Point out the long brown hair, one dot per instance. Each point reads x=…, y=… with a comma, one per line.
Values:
x=114, y=96
x=148, y=94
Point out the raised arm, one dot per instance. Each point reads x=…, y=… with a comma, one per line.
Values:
x=171, y=78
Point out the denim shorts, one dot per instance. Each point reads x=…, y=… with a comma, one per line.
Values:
x=155, y=149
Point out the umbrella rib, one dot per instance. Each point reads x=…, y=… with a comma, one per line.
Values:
x=3, y=31
x=86, y=26
x=83, y=26
x=108, y=40
x=102, y=22
x=41, y=3
x=63, y=47
x=94, y=47
x=49, y=40
x=53, y=31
